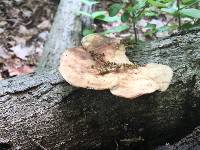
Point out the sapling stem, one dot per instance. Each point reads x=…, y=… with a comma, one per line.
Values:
x=135, y=32
x=179, y=17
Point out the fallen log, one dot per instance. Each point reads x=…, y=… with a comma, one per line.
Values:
x=191, y=141
x=42, y=110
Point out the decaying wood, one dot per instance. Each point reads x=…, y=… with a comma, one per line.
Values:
x=41, y=107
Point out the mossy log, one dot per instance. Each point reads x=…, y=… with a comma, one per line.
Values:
x=42, y=110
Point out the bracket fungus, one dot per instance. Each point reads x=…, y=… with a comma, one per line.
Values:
x=100, y=63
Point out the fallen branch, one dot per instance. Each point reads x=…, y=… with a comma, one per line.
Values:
x=44, y=107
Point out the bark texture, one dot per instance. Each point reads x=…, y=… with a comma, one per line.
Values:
x=190, y=142
x=42, y=110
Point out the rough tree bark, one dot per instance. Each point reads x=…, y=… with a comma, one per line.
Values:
x=41, y=110
x=190, y=142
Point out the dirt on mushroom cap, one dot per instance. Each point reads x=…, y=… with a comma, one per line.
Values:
x=78, y=68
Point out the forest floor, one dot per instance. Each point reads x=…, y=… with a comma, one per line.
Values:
x=24, y=27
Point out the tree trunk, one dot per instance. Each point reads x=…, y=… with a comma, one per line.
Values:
x=65, y=32
x=42, y=110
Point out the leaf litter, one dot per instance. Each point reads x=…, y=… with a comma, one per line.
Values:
x=24, y=28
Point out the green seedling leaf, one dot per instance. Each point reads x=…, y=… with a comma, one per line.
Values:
x=116, y=29
x=189, y=26
x=151, y=29
x=87, y=31
x=125, y=16
x=100, y=15
x=171, y=10
x=191, y=12
x=149, y=33
x=189, y=2
x=140, y=4
x=166, y=1
x=137, y=7
x=155, y=3
x=150, y=26
x=97, y=14
x=83, y=13
x=150, y=14
x=108, y=19
x=114, y=9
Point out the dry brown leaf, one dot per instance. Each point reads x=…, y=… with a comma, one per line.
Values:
x=20, y=70
x=3, y=53
x=44, y=25
x=22, y=51
x=1, y=30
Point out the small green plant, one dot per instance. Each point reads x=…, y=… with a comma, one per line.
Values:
x=101, y=16
x=184, y=9
x=130, y=12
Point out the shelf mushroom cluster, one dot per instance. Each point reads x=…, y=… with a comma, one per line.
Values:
x=100, y=63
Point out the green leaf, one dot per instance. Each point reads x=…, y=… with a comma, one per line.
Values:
x=114, y=9
x=190, y=12
x=83, y=13
x=100, y=15
x=116, y=29
x=125, y=16
x=97, y=14
x=89, y=2
x=189, y=26
x=138, y=6
x=149, y=33
x=87, y=31
x=156, y=3
x=151, y=29
x=108, y=19
x=189, y=2
x=171, y=10
x=150, y=26
x=150, y=14
x=167, y=1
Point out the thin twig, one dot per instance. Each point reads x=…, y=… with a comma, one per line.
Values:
x=135, y=32
x=134, y=25
x=179, y=16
